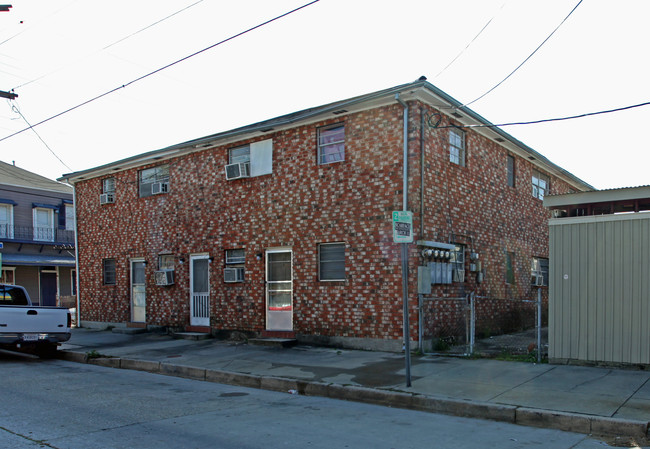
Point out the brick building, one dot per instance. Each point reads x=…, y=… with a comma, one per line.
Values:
x=284, y=226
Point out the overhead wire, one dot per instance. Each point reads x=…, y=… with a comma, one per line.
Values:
x=108, y=46
x=529, y=56
x=470, y=42
x=160, y=69
x=17, y=111
x=556, y=119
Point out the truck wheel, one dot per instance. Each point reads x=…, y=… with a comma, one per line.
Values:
x=46, y=350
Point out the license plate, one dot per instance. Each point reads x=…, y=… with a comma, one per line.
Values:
x=30, y=337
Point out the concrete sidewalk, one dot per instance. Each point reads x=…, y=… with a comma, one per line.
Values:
x=587, y=400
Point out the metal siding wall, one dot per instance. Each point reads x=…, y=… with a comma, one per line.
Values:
x=600, y=312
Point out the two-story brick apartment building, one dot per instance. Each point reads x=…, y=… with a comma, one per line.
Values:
x=285, y=225
x=37, y=234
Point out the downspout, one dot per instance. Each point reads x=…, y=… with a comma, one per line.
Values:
x=76, y=252
x=405, y=251
x=420, y=295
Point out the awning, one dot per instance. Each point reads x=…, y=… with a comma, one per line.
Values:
x=38, y=260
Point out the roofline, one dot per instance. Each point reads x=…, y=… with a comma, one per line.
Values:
x=600, y=196
x=414, y=88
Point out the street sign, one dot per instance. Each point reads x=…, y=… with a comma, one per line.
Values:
x=402, y=226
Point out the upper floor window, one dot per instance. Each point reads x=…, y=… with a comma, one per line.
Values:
x=69, y=217
x=457, y=146
x=108, y=191
x=108, y=271
x=331, y=144
x=166, y=262
x=511, y=170
x=153, y=181
x=540, y=184
x=43, y=223
x=6, y=221
x=331, y=261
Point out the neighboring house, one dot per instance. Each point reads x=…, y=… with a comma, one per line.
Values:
x=284, y=227
x=37, y=234
x=599, y=298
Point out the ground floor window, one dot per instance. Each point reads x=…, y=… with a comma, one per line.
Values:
x=331, y=261
x=9, y=275
x=108, y=271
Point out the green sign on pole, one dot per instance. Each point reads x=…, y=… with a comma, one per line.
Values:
x=402, y=226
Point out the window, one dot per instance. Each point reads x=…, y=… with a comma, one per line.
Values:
x=153, y=181
x=108, y=270
x=108, y=191
x=510, y=268
x=331, y=261
x=234, y=271
x=235, y=256
x=539, y=271
x=9, y=275
x=457, y=261
x=331, y=144
x=73, y=282
x=239, y=155
x=457, y=146
x=540, y=184
x=511, y=170
x=43, y=224
x=69, y=217
x=6, y=221
x=166, y=262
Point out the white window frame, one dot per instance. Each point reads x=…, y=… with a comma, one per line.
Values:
x=321, y=262
x=69, y=217
x=49, y=230
x=541, y=184
x=108, y=185
x=457, y=153
x=150, y=176
x=8, y=230
x=330, y=158
x=166, y=261
x=235, y=256
x=5, y=278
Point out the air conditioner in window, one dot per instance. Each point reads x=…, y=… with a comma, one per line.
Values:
x=159, y=187
x=106, y=198
x=231, y=274
x=236, y=171
x=539, y=280
x=164, y=277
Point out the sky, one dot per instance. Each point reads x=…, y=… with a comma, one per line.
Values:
x=57, y=56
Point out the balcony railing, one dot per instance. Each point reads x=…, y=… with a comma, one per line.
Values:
x=33, y=234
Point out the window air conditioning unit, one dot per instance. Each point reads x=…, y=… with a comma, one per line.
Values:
x=233, y=274
x=539, y=280
x=159, y=187
x=459, y=275
x=164, y=277
x=236, y=171
x=106, y=198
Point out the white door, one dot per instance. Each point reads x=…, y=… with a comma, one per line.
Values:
x=279, y=290
x=138, y=292
x=200, y=290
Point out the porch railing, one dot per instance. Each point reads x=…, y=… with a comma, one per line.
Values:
x=33, y=234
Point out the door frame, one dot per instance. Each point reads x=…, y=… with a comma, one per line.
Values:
x=268, y=312
x=199, y=320
x=132, y=303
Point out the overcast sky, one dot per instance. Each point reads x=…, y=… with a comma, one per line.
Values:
x=57, y=55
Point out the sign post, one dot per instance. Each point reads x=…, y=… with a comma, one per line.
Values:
x=403, y=234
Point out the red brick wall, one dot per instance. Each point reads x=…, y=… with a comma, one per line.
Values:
x=301, y=205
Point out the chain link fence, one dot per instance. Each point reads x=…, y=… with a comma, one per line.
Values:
x=484, y=326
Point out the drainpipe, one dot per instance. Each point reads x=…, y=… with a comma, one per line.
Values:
x=76, y=251
x=405, y=268
x=420, y=296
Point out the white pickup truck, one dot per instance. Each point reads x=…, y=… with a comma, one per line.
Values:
x=29, y=328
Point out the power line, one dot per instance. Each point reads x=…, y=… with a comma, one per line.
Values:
x=17, y=111
x=108, y=46
x=471, y=42
x=529, y=56
x=557, y=119
x=123, y=86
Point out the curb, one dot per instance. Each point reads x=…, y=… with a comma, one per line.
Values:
x=525, y=416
